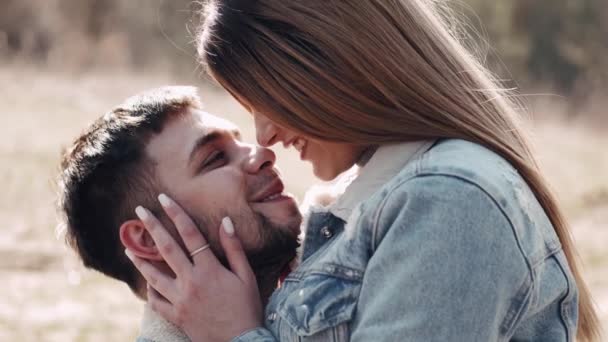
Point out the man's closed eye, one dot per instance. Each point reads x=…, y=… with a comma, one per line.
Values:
x=216, y=159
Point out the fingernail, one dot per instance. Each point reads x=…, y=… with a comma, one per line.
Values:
x=141, y=213
x=129, y=254
x=164, y=200
x=228, y=226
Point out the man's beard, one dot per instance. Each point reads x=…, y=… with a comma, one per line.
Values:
x=271, y=253
x=272, y=259
x=277, y=247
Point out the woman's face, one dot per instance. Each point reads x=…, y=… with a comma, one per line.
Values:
x=329, y=159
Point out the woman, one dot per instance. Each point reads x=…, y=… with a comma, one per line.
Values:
x=448, y=233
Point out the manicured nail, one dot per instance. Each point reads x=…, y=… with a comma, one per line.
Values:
x=129, y=254
x=164, y=200
x=228, y=226
x=141, y=213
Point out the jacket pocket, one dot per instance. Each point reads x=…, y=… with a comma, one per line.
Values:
x=323, y=301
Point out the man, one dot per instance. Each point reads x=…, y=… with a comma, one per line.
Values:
x=161, y=142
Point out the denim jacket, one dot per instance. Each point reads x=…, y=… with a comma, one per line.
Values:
x=435, y=241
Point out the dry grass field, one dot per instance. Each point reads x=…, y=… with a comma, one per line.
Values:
x=47, y=296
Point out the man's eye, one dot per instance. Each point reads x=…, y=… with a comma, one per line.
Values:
x=216, y=159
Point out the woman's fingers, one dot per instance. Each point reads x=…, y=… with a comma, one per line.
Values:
x=189, y=232
x=234, y=252
x=159, y=304
x=154, y=277
x=169, y=249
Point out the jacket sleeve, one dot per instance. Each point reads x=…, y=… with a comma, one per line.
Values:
x=446, y=266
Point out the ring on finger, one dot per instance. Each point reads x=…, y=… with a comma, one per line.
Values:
x=198, y=250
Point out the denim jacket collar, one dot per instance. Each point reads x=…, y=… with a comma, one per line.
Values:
x=383, y=165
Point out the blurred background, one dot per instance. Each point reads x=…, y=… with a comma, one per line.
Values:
x=65, y=62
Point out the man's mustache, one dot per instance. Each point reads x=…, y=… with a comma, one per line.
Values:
x=257, y=183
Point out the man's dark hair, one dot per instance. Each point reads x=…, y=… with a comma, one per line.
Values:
x=105, y=174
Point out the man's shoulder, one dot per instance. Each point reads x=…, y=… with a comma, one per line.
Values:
x=154, y=328
x=143, y=339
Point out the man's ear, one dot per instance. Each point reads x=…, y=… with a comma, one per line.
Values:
x=135, y=237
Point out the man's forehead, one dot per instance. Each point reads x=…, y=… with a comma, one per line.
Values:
x=211, y=122
x=178, y=136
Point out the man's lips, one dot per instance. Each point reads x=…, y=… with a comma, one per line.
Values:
x=272, y=191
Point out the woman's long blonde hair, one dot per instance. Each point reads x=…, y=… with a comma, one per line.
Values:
x=372, y=72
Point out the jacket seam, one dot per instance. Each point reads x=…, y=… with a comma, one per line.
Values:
x=552, y=252
x=357, y=275
x=564, y=315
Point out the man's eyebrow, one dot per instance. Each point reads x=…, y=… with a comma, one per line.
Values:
x=210, y=137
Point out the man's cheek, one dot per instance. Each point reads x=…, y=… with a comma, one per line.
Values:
x=247, y=229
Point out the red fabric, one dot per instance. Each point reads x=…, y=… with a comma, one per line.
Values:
x=284, y=275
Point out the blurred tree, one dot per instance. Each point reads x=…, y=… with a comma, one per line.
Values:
x=556, y=43
x=543, y=23
x=21, y=32
x=565, y=39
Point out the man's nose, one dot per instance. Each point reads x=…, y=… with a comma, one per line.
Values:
x=267, y=133
x=258, y=159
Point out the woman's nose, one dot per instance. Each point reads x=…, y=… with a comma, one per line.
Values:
x=267, y=133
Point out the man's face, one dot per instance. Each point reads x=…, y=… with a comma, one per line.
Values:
x=201, y=163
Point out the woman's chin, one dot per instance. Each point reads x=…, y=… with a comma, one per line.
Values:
x=324, y=173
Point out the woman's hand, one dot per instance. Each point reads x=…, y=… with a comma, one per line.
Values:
x=206, y=300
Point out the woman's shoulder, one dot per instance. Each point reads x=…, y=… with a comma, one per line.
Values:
x=453, y=169
x=468, y=161
x=459, y=162
x=456, y=176
x=451, y=172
